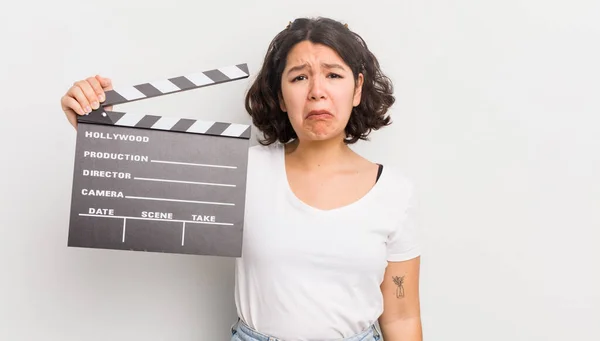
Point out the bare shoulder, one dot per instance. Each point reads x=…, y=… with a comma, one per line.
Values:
x=362, y=164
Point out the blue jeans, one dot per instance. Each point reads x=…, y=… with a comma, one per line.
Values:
x=242, y=332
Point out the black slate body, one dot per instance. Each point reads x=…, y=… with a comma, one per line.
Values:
x=159, y=184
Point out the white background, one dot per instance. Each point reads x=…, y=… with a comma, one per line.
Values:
x=497, y=120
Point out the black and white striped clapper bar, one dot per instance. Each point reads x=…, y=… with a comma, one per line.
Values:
x=160, y=184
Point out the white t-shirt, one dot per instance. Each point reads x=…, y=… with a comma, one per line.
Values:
x=311, y=274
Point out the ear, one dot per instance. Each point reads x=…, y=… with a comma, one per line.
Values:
x=282, y=103
x=358, y=90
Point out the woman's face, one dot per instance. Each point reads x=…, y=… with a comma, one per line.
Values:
x=318, y=92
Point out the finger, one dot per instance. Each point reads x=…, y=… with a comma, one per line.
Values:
x=95, y=84
x=106, y=83
x=73, y=120
x=89, y=94
x=77, y=93
x=70, y=104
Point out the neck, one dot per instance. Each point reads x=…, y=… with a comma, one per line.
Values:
x=318, y=154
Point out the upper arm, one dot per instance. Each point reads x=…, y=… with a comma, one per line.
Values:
x=400, y=289
x=400, y=286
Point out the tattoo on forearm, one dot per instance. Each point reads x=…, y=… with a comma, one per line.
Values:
x=399, y=281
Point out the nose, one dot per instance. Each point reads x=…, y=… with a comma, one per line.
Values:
x=317, y=90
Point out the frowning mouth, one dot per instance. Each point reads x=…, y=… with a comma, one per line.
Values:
x=314, y=114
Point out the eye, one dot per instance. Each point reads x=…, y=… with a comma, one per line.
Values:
x=335, y=75
x=298, y=78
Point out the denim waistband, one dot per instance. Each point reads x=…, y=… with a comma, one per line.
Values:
x=246, y=333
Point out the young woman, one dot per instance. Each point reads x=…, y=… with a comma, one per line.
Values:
x=330, y=244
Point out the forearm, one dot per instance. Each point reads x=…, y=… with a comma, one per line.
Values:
x=408, y=329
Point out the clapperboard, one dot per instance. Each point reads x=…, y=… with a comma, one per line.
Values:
x=156, y=183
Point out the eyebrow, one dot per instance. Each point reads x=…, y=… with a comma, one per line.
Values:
x=325, y=65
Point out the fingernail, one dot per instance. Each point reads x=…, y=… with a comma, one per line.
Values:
x=101, y=97
x=95, y=105
x=88, y=109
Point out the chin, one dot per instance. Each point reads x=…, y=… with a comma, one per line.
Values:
x=322, y=136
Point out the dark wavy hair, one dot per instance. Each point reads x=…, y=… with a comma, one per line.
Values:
x=262, y=98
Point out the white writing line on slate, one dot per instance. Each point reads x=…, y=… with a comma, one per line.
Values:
x=124, y=222
x=193, y=164
x=185, y=182
x=179, y=200
x=155, y=219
